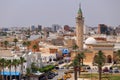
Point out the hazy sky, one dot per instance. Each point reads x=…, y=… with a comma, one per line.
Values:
x=47, y=12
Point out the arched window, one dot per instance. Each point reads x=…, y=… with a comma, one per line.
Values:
x=93, y=63
x=109, y=59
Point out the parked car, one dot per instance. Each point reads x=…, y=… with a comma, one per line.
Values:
x=55, y=71
x=105, y=69
x=60, y=62
x=83, y=70
x=50, y=75
x=62, y=67
x=71, y=67
x=44, y=77
x=110, y=70
x=115, y=70
x=57, y=67
x=50, y=72
x=88, y=68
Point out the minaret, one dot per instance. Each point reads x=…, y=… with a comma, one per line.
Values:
x=79, y=28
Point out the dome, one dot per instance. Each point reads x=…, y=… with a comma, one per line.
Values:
x=90, y=40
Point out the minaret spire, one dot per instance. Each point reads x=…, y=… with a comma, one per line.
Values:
x=80, y=11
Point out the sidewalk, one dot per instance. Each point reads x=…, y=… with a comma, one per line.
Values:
x=72, y=78
x=82, y=79
x=61, y=65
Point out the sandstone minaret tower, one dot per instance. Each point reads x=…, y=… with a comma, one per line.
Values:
x=79, y=28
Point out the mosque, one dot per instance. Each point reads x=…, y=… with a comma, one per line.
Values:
x=91, y=45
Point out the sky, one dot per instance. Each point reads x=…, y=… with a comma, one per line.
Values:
x=24, y=13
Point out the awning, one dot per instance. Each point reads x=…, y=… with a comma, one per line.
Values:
x=10, y=73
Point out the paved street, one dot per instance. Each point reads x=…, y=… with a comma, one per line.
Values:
x=60, y=74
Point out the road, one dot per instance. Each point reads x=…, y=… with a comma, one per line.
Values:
x=60, y=74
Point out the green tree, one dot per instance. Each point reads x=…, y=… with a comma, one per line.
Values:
x=9, y=65
x=28, y=43
x=15, y=41
x=15, y=63
x=28, y=71
x=24, y=44
x=118, y=56
x=6, y=44
x=0, y=66
x=22, y=61
x=2, y=43
x=13, y=33
x=75, y=65
x=80, y=57
x=34, y=68
x=75, y=47
x=99, y=60
x=34, y=47
x=3, y=65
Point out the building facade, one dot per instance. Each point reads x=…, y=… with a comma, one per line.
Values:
x=102, y=29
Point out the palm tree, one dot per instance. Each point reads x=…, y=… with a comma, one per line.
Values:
x=22, y=60
x=2, y=62
x=82, y=57
x=34, y=47
x=34, y=67
x=2, y=43
x=75, y=47
x=6, y=44
x=118, y=56
x=15, y=41
x=0, y=65
x=24, y=44
x=79, y=62
x=9, y=65
x=99, y=60
x=15, y=63
x=0, y=68
x=28, y=43
x=75, y=65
